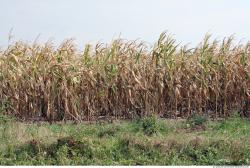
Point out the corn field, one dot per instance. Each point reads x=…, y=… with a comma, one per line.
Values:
x=125, y=79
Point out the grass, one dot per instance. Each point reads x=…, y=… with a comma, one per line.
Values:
x=124, y=79
x=225, y=142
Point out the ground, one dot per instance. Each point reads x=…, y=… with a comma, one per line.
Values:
x=149, y=141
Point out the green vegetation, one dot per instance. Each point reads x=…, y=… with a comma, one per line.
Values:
x=196, y=120
x=104, y=103
x=125, y=79
x=149, y=125
x=148, y=141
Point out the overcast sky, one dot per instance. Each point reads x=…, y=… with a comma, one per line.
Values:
x=89, y=21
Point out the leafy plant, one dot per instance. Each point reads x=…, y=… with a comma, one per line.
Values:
x=149, y=125
x=196, y=120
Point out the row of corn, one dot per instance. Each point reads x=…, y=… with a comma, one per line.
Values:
x=125, y=79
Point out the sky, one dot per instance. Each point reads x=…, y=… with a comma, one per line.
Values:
x=91, y=21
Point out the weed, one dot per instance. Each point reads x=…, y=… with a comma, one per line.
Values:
x=107, y=131
x=227, y=145
x=82, y=147
x=196, y=120
x=149, y=125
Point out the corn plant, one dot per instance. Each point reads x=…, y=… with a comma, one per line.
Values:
x=125, y=79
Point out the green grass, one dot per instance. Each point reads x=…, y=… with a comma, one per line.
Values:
x=147, y=141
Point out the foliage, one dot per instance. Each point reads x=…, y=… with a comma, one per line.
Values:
x=196, y=120
x=149, y=125
x=94, y=144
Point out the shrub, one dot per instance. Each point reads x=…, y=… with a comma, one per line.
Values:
x=149, y=125
x=196, y=120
